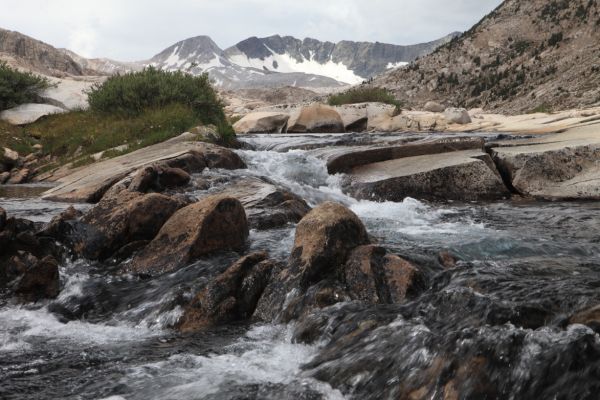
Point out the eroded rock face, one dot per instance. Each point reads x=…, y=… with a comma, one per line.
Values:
x=316, y=118
x=376, y=277
x=215, y=223
x=553, y=171
x=119, y=220
x=262, y=122
x=325, y=237
x=231, y=296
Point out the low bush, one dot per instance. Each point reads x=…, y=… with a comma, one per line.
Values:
x=131, y=94
x=18, y=87
x=364, y=95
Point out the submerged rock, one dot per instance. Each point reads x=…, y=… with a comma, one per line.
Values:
x=374, y=276
x=215, y=223
x=231, y=296
x=316, y=118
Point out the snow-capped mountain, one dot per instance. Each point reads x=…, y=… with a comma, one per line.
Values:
x=201, y=54
x=277, y=61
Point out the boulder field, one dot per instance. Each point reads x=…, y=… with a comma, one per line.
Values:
x=362, y=117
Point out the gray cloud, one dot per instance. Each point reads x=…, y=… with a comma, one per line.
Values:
x=137, y=29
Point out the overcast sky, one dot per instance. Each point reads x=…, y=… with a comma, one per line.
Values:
x=131, y=30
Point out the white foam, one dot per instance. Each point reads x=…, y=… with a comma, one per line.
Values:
x=265, y=355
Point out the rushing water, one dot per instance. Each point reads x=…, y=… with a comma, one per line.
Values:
x=107, y=336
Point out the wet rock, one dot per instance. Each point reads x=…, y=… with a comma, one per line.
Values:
x=117, y=221
x=267, y=206
x=231, y=296
x=560, y=170
x=37, y=279
x=589, y=317
x=324, y=239
x=157, y=178
x=374, y=276
x=19, y=176
x=89, y=184
x=316, y=118
x=432, y=106
x=262, y=122
x=447, y=260
x=59, y=227
x=457, y=116
x=347, y=160
x=215, y=223
x=2, y=218
x=460, y=175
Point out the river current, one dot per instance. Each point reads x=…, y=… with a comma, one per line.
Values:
x=106, y=336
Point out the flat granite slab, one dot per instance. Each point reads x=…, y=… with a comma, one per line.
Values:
x=89, y=183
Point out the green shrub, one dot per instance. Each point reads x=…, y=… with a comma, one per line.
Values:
x=19, y=87
x=133, y=93
x=364, y=95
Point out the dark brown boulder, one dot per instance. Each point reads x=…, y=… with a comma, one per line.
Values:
x=325, y=237
x=374, y=276
x=122, y=219
x=231, y=296
x=589, y=317
x=158, y=178
x=37, y=279
x=215, y=223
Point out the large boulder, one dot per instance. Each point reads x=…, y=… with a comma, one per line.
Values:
x=457, y=116
x=458, y=175
x=262, y=122
x=556, y=170
x=324, y=239
x=390, y=123
x=158, y=178
x=37, y=279
x=354, y=116
x=433, y=106
x=267, y=206
x=9, y=158
x=316, y=118
x=19, y=176
x=29, y=113
x=374, y=276
x=215, y=223
x=120, y=220
x=231, y=296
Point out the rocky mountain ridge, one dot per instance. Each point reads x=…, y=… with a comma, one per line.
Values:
x=522, y=57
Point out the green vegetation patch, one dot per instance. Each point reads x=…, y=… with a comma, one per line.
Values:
x=18, y=87
x=364, y=95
